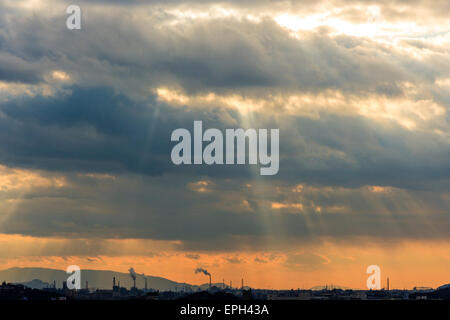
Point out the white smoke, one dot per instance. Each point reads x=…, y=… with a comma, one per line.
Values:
x=132, y=273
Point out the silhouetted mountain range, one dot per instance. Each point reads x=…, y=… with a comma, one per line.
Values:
x=35, y=284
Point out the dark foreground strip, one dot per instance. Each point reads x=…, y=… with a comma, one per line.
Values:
x=226, y=309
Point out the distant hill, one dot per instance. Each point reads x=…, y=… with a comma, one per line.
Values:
x=35, y=284
x=101, y=279
x=331, y=287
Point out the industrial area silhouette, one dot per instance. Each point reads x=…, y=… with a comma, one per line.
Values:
x=141, y=287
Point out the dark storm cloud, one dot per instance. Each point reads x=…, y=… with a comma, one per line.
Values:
x=90, y=130
x=96, y=130
x=217, y=54
x=163, y=208
x=359, y=151
x=14, y=69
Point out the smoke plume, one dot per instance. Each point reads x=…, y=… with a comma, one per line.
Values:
x=204, y=271
x=132, y=273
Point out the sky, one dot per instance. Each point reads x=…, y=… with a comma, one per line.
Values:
x=359, y=90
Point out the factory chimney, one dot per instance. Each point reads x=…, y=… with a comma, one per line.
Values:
x=206, y=273
x=133, y=276
x=145, y=283
x=114, y=282
x=242, y=284
x=388, y=283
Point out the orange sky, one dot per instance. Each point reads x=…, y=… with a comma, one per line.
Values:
x=408, y=264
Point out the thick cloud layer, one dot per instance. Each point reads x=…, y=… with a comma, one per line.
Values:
x=87, y=116
x=140, y=53
x=96, y=130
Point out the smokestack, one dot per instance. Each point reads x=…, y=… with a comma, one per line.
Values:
x=133, y=276
x=231, y=284
x=114, y=282
x=242, y=284
x=223, y=283
x=388, y=283
x=145, y=283
x=87, y=287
